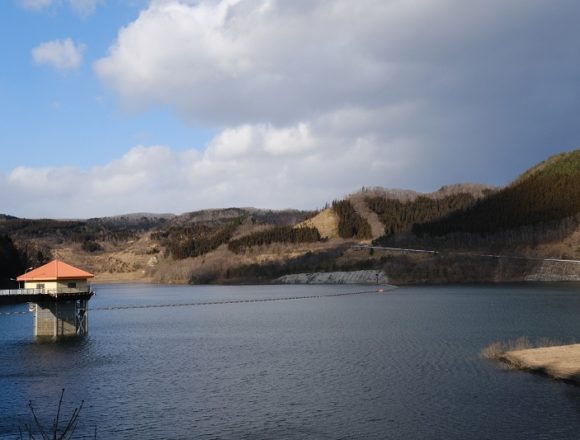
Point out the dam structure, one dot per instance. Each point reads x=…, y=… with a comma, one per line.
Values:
x=58, y=294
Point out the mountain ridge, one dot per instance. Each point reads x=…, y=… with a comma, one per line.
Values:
x=538, y=214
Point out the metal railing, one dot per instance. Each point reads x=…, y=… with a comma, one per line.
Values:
x=52, y=292
x=11, y=292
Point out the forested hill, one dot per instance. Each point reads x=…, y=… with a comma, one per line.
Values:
x=128, y=246
x=538, y=215
x=542, y=197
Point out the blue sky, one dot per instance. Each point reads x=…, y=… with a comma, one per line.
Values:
x=111, y=106
x=54, y=117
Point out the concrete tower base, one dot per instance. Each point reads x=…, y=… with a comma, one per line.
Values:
x=61, y=318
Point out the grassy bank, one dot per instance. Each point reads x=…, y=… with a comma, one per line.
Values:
x=547, y=357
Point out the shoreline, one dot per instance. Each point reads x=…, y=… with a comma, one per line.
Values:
x=330, y=278
x=561, y=362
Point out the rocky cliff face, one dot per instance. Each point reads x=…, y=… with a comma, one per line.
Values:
x=355, y=277
x=555, y=271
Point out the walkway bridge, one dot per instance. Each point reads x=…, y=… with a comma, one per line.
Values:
x=21, y=296
x=57, y=312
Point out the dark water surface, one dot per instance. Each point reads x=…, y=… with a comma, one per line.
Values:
x=398, y=365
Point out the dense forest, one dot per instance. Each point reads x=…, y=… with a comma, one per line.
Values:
x=76, y=231
x=195, y=239
x=277, y=234
x=10, y=263
x=400, y=216
x=543, y=196
x=350, y=223
x=35, y=239
x=529, y=236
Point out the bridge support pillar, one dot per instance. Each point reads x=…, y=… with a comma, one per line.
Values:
x=61, y=318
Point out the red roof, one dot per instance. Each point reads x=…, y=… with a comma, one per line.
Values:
x=53, y=271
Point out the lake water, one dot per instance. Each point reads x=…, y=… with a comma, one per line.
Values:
x=399, y=365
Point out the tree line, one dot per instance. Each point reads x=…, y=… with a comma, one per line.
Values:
x=350, y=223
x=499, y=242
x=542, y=199
x=77, y=231
x=277, y=234
x=194, y=240
x=400, y=216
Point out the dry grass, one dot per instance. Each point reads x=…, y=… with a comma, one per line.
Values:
x=326, y=222
x=497, y=350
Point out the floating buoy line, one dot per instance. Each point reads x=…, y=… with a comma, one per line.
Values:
x=13, y=313
x=222, y=302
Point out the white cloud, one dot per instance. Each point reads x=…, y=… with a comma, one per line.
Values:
x=299, y=166
x=60, y=54
x=452, y=67
x=247, y=140
x=315, y=98
x=35, y=5
x=83, y=8
x=251, y=61
x=235, y=61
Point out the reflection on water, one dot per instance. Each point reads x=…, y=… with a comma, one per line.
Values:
x=403, y=364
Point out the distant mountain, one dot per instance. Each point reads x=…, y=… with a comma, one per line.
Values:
x=477, y=190
x=134, y=219
x=274, y=217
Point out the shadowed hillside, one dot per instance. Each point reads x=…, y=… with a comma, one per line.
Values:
x=543, y=197
x=10, y=262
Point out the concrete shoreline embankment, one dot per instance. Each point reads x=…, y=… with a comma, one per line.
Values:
x=353, y=277
x=558, y=362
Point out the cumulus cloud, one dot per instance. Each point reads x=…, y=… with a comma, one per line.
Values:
x=300, y=166
x=457, y=68
x=234, y=61
x=237, y=61
x=313, y=99
x=60, y=54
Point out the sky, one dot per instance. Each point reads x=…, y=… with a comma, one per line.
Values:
x=118, y=106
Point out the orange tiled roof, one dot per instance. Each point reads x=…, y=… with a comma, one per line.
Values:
x=53, y=271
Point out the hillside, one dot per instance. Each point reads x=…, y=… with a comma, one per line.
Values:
x=326, y=222
x=537, y=215
x=10, y=262
x=542, y=198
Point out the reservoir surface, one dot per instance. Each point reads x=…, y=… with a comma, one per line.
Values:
x=403, y=364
